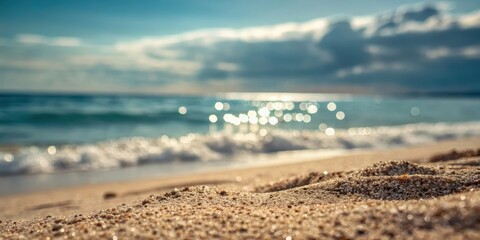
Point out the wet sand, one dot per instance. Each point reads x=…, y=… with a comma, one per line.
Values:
x=369, y=195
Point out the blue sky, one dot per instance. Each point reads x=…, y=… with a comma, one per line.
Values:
x=214, y=46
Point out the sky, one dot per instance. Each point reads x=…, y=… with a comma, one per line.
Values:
x=197, y=46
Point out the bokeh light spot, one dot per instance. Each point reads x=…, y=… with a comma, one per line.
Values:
x=330, y=131
x=218, y=106
x=51, y=150
x=213, y=118
x=312, y=109
x=331, y=106
x=182, y=110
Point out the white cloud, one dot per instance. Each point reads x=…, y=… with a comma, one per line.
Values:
x=207, y=37
x=442, y=52
x=212, y=46
x=470, y=20
x=436, y=53
x=471, y=52
x=373, y=67
x=394, y=48
x=33, y=39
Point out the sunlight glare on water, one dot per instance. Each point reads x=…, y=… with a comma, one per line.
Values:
x=274, y=110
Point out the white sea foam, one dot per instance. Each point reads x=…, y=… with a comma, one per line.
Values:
x=221, y=146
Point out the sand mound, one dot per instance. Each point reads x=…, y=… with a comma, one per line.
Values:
x=386, y=181
x=380, y=169
x=397, y=187
x=394, y=169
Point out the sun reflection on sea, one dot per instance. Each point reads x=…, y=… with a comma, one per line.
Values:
x=273, y=110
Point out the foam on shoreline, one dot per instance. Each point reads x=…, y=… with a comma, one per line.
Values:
x=220, y=146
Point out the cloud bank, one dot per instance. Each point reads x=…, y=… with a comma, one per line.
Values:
x=412, y=48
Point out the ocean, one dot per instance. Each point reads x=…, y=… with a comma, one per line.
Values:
x=51, y=140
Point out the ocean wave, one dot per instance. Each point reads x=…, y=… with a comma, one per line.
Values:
x=221, y=146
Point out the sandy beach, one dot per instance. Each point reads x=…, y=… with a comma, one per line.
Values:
x=244, y=120
x=383, y=194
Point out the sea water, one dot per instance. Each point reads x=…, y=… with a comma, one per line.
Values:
x=82, y=134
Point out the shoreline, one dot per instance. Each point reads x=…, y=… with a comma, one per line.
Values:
x=224, y=145
x=50, y=181
x=369, y=195
x=93, y=197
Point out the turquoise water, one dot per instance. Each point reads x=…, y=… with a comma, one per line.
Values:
x=58, y=133
x=61, y=119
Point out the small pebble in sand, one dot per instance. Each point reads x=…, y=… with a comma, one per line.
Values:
x=56, y=227
x=109, y=195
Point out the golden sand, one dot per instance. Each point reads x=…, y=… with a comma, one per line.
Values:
x=390, y=200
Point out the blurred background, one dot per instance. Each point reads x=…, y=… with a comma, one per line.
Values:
x=92, y=91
